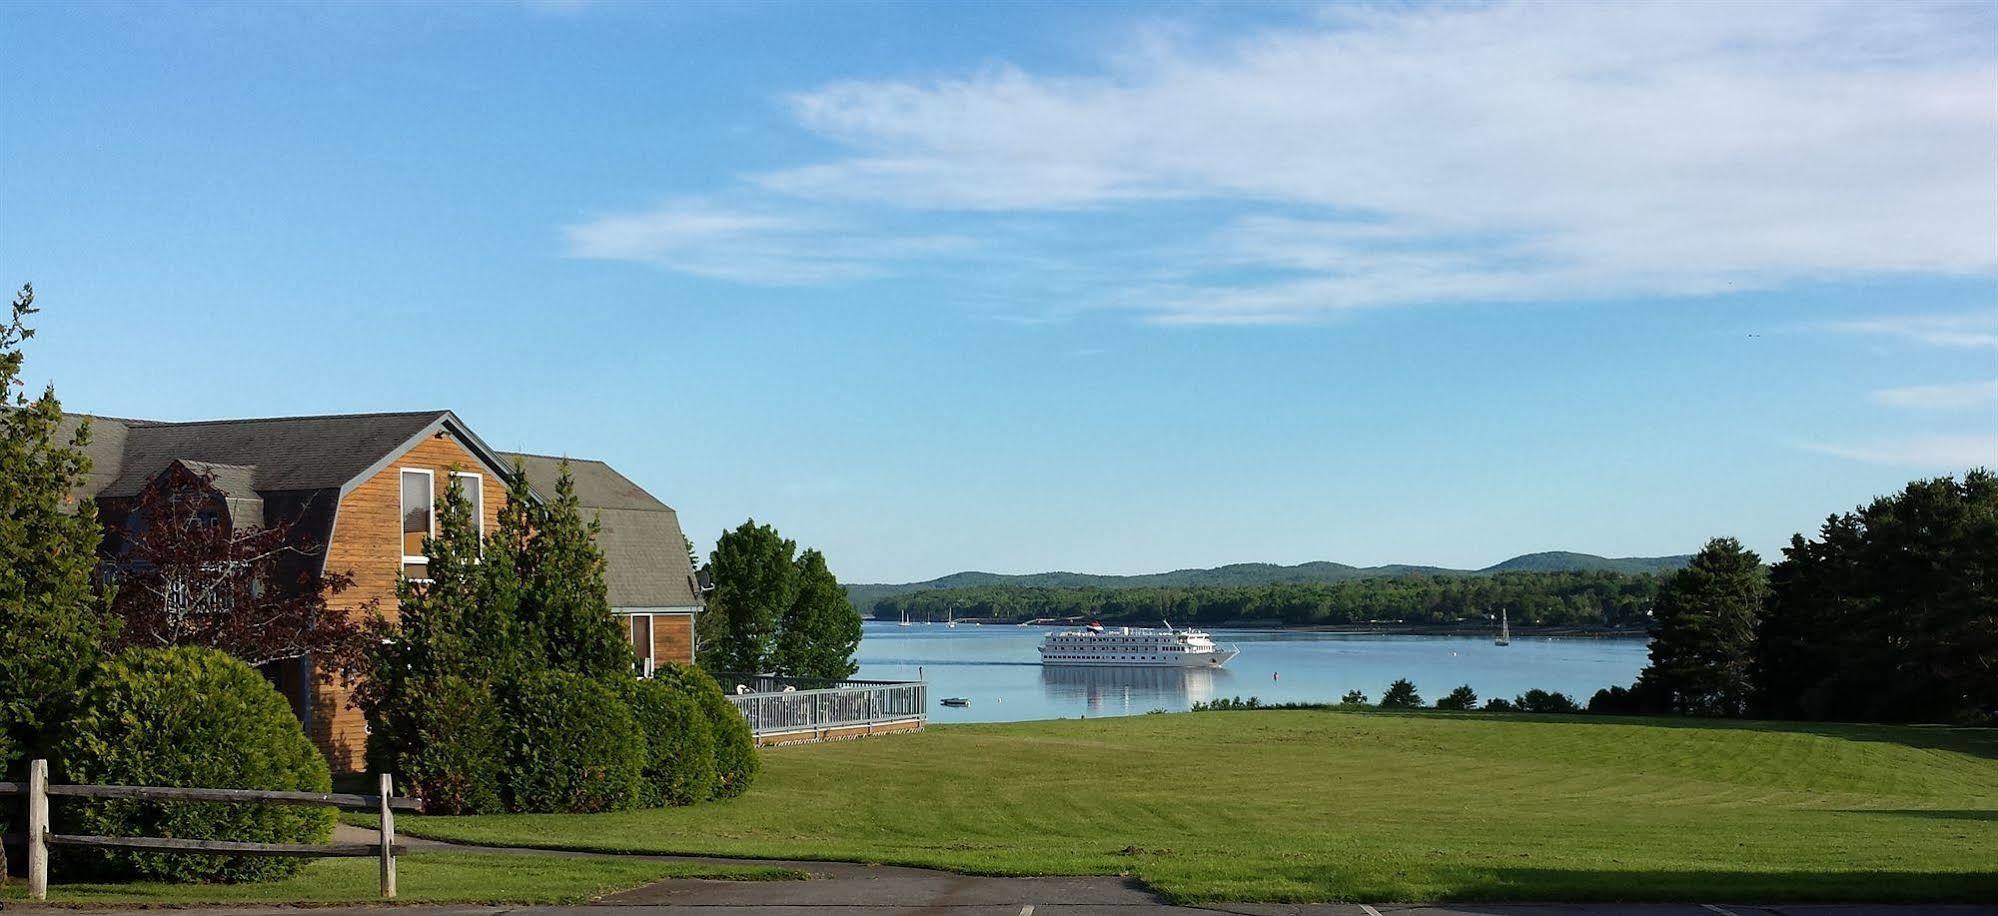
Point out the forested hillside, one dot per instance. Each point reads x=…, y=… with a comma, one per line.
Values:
x=865, y=596
x=1580, y=599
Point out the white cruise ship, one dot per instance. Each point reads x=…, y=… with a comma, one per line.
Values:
x=1125, y=647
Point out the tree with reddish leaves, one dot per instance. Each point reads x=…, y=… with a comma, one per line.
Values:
x=188, y=574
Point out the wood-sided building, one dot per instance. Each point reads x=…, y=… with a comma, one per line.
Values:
x=360, y=493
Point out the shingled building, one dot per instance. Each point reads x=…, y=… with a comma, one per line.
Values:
x=360, y=492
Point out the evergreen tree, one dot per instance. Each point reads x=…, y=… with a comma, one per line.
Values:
x=428, y=697
x=1891, y=614
x=821, y=629
x=1461, y=698
x=756, y=582
x=1401, y=695
x=1703, y=632
x=564, y=602
x=499, y=635
x=52, y=624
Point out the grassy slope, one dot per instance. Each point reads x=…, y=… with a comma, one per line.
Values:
x=423, y=877
x=1293, y=806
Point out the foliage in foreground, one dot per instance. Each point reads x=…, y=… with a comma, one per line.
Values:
x=1703, y=633
x=679, y=743
x=736, y=760
x=1890, y=613
x=52, y=625
x=571, y=745
x=187, y=717
x=187, y=575
x=1412, y=806
x=775, y=611
x=483, y=709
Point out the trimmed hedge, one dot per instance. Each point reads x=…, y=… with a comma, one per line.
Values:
x=680, y=745
x=444, y=746
x=735, y=747
x=572, y=745
x=187, y=717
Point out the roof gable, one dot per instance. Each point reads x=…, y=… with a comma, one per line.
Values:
x=289, y=453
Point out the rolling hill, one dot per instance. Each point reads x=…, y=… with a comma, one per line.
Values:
x=863, y=595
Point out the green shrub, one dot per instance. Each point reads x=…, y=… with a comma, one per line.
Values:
x=1461, y=698
x=1401, y=695
x=572, y=745
x=187, y=717
x=679, y=743
x=735, y=747
x=1353, y=698
x=1498, y=704
x=441, y=740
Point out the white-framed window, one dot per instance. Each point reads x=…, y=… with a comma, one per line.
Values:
x=473, y=486
x=419, y=519
x=640, y=631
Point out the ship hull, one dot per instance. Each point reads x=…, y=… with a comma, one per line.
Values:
x=1214, y=659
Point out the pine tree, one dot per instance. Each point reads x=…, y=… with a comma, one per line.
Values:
x=501, y=587
x=1401, y=695
x=821, y=629
x=564, y=602
x=1703, y=631
x=1891, y=612
x=52, y=624
x=756, y=582
x=428, y=695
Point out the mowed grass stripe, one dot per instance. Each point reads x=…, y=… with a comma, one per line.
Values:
x=1335, y=805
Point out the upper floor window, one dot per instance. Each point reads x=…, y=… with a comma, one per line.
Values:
x=419, y=520
x=472, y=487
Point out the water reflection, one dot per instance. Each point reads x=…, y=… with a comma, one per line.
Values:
x=1123, y=691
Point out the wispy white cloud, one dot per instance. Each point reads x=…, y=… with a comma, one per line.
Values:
x=1407, y=154
x=747, y=245
x=1940, y=397
x=1929, y=452
x=1592, y=150
x=1970, y=331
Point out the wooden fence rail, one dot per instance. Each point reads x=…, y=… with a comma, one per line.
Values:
x=38, y=838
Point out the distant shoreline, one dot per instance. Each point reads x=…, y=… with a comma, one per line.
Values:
x=1383, y=628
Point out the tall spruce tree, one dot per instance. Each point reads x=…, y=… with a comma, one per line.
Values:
x=1891, y=613
x=820, y=630
x=428, y=697
x=1703, y=632
x=52, y=624
x=564, y=600
x=756, y=582
x=513, y=648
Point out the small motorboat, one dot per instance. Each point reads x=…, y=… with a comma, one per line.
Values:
x=955, y=701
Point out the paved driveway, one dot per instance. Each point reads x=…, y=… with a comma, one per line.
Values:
x=843, y=889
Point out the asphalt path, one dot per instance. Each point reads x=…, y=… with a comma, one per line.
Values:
x=846, y=889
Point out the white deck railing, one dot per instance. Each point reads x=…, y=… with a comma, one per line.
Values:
x=822, y=706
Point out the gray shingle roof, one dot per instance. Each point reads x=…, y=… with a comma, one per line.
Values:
x=641, y=538
x=289, y=453
x=644, y=548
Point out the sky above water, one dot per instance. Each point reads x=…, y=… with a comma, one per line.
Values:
x=1102, y=287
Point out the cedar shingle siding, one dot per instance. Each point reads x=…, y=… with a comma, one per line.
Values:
x=337, y=480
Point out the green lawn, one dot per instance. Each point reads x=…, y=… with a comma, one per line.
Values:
x=421, y=877
x=1331, y=805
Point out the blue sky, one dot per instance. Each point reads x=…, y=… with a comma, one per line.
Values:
x=1102, y=287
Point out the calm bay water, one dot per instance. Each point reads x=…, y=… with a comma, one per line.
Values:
x=998, y=669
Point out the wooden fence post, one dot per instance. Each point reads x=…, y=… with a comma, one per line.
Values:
x=38, y=829
x=388, y=838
